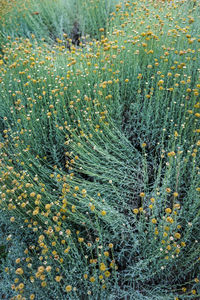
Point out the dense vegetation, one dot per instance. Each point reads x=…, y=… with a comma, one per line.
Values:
x=99, y=149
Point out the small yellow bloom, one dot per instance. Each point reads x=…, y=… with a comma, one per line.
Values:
x=68, y=231
x=47, y=206
x=67, y=250
x=92, y=207
x=170, y=220
x=102, y=267
x=68, y=288
x=92, y=279
x=43, y=284
x=177, y=235
x=154, y=221
x=103, y=212
x=142, y=194
x=58, y=278
x=168, y=210
x=19, y=271
x=48, y=268
x=172, y=153
x=21, y=286
x=107, y=274
x=136, y=211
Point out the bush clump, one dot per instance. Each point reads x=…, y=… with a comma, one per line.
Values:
x=99, y=144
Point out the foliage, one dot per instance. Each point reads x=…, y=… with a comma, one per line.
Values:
x=50, y=19
x=100, y=157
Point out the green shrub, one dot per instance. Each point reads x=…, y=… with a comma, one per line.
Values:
x=100, y=149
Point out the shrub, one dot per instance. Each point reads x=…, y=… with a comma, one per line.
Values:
x=100, y=150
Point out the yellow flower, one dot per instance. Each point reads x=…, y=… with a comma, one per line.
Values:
x=58, y=278
x=67, y=250
x=103, y=212
x=35, y=212
x=107, y=274
x=193, y=292
x=48, y=268
x=41, y=269
x=92, y=279
x=92, y=207
x=168, y=210
x=19, y=271
x=43, y=284
x=68, y=231
x=177, y=206
x=177, y=235
x=47, y=206
x=170, y=220
x=68, y=288
x=154, y=221
x=102, y=267
x=136, y=211
x=170, y=154
x=21, y=286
